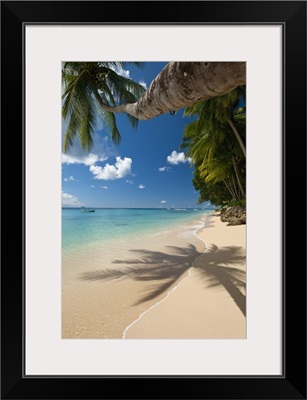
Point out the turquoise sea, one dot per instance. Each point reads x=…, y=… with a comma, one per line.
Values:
x=81, y=230
x=116, y=263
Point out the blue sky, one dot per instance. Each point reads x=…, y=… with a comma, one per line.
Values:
x=147, y=169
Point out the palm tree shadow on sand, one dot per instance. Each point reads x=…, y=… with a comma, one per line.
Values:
x=161, y=270
x=214, y=267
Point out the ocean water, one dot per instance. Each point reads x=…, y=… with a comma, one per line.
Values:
x=81, y=231
x=117, y=263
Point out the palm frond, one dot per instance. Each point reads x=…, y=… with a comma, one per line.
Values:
x=76, y=93
x=82, y=83
x=134, y=121
x=109, y=120
x=189, y=136
x=127, y=91
x=192, y=110
x=77, y=105
x=87, y=124
x=104, y=88
x=71, y=130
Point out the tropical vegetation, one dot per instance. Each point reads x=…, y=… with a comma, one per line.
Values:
x=215, y=141
x=178, y=85
x=212, y=92
x=91, y=88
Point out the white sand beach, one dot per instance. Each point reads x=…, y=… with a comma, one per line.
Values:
x=210, y=302
x=190, y=286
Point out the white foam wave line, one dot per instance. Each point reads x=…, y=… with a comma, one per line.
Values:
x=171, y=291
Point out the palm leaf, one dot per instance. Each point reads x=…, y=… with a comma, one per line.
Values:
x=76, y=93
x=85, y=82
x=134, y=121
x=126, y=90
x=87, y=124
x=109, y=120
x=71, y=131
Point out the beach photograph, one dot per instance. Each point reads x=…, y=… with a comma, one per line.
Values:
x=153, y=200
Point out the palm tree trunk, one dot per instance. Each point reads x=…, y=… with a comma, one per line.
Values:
x=235, y=166
x=229, y=189
x=181, y=84
x=235, y=188
x=235, y=131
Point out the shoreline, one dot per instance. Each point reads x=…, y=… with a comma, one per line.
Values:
x=86, y=244
x=188, y=313
x=136, y=295
x=106, y=289
x=203, y=219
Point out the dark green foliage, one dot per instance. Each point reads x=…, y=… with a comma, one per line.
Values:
x=217, y=152
x=217, y=193
x=86, y=87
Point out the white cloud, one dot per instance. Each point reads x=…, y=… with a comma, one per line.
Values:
x=86, y=159
x=141, y=186
x=176, y=158
x=70, y=178
x=104, y=187
x=68, y=200
x=101, y=150
x=120, y=71
x=129, y=181
x=143, y=83
x=92, y=186
x=111, y=172
x=163, y=201
x=162, y=169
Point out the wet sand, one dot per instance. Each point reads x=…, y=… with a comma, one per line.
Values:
x=209, y=303
x=105, y=290
x=174, y=285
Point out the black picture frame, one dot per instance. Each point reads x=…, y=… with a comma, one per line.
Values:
x=292, y=383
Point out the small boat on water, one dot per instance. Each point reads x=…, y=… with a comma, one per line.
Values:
x=83, y=209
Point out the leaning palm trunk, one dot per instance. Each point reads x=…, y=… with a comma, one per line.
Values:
x=181, y=84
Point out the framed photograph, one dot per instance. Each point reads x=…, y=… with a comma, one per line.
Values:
x=137, y=267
